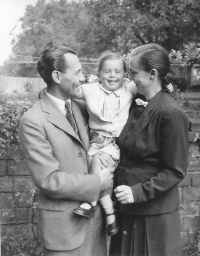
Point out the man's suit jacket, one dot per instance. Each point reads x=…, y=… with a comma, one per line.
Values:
x=154, y=153
x=57, y=160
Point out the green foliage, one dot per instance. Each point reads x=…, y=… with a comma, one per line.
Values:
x=21, y=239
x=19, y=236
x=189, y=55
x=10, y=114
x=93, y=26
x=176, y=57
x=194, y=249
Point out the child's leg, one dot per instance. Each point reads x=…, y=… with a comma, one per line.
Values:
x=86, y=209
x=105, y=200
x=95, y=167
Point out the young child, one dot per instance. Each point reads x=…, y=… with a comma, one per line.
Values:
x=108, y=102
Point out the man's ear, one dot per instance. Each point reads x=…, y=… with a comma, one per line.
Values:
x=56, y=76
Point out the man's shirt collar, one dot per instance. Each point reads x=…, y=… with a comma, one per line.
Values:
x=59, y=103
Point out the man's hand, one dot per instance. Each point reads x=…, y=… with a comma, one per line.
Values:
x=106, y=178
x=106, y=160
x=124, y=194
x=107, y=170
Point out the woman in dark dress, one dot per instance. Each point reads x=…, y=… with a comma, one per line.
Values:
x=154, y=152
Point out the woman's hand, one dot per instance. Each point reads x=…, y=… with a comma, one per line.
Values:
x=124, y=194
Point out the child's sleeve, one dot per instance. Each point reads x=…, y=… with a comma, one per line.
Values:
x=131, y=86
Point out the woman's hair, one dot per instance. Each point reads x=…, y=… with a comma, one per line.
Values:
x=110, y=56
x=52, y=58
x=153, y=56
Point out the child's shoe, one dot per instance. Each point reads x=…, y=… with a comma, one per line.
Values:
x=87, y=213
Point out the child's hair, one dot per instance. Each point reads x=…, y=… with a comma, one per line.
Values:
x=153, y=56
x=110, y=56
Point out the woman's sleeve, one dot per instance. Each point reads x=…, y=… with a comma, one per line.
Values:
x=173, y=154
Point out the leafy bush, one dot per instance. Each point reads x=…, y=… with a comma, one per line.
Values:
x=19, y=237
x=189, y=55
x=10, y=114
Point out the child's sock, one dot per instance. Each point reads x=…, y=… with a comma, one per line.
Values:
x=107, y=205
x=87, y=206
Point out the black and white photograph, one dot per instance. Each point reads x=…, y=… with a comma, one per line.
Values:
x=100, y=127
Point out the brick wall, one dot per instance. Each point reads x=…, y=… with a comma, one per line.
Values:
x=189, y=188
x=18, y=215
x=14, y=177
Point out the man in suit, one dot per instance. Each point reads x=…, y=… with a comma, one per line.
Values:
x=54, y=138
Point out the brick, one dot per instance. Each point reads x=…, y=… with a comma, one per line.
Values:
x=6, y=200
x=194, y=136
x=186, y=251
x=35, y=216
x=3, y=167
x=191, y=114
x=6, y=184
x=35, y=230
x=190, y=208
x=8, y=216
x=16, y=152
x=197, y=222
x=191, y=194
x=21, y=183
x=24, y=215
x=25, y=230
x=18, y=168
x=4, y=153
x=192, y=104
x=196, y=179
x=184, y=239
x=180, y=190
x=194, y=125
x=23, y=199
x=187, y=181
x=187, y=223
x=198, y=115
x=194, y=157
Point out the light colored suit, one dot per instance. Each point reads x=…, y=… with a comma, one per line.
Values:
x=57, y=159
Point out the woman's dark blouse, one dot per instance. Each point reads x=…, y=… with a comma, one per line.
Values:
x=154, y=152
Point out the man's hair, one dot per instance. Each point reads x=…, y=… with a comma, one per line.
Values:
x=52, y=58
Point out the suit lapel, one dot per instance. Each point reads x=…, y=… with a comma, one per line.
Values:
x=148, y=112
x=56, y=117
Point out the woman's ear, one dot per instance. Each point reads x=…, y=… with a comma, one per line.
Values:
x=56, y=76
x=153, y=73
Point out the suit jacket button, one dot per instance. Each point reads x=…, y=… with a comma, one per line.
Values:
x=80, y=154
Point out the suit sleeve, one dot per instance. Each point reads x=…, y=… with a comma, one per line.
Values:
x=173, y=154
x=45, y=168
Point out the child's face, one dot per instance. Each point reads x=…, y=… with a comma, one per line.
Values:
x=112, y=74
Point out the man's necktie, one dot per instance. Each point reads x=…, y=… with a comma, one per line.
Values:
x=141, y=102
x=69, y=115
